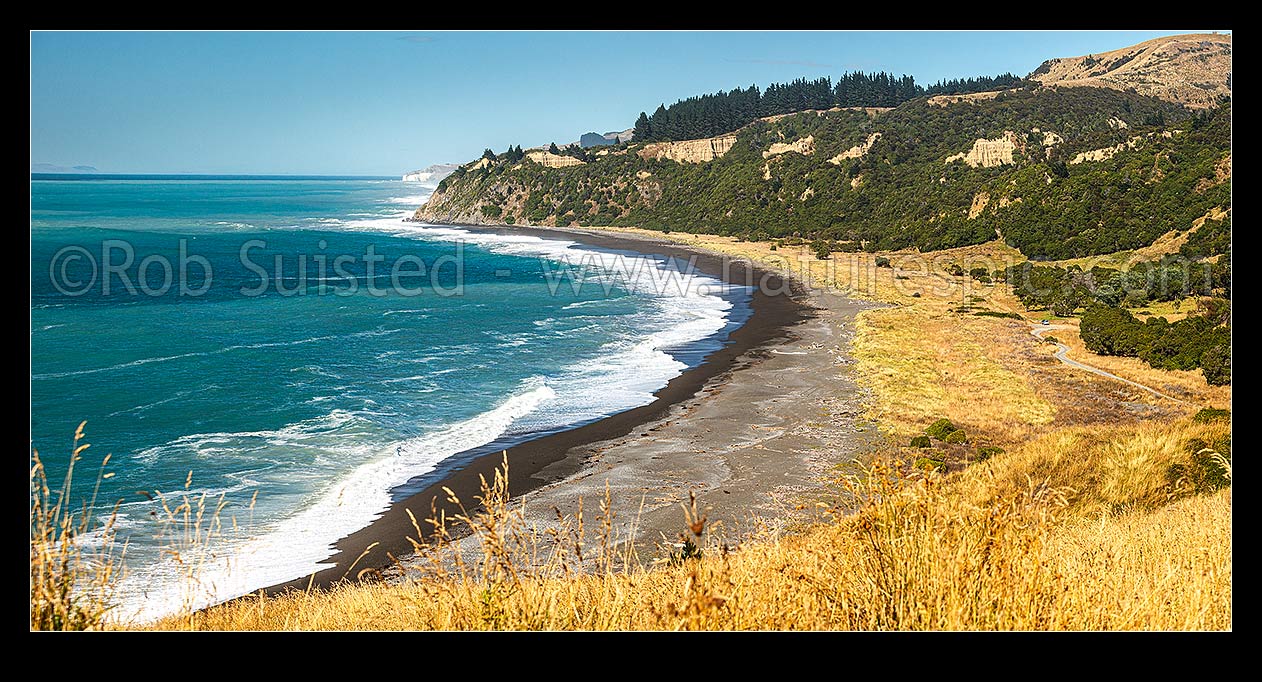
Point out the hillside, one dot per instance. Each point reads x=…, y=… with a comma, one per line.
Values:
x=1057, y=172
x=1193, y=70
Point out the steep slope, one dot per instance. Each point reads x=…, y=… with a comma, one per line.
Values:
x=1193, y=69
x=916, y=184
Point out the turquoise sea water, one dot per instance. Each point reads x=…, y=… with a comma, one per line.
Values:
x=321, y=390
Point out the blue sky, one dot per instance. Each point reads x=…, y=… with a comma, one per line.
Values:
x=382, y=103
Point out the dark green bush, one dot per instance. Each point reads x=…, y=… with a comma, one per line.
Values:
x=940, y=429
x=993, y=313
x=920, y=442
x=957, y=437
x=1212, y=414
x=492, y=211
x=883, y=262
x=985, y=452
x=1206, y=473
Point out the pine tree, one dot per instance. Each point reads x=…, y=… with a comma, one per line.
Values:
x=643, y=129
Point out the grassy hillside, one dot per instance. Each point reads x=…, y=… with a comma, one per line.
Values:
x=1150, y=167
x=1080, y=529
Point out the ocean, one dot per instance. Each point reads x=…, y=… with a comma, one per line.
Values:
x=294, y=350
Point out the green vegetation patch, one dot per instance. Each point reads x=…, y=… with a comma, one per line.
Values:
x=940, y=429
x=1209, y=415
x=985, y=452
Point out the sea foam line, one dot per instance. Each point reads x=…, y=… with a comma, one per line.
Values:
x=301, y=543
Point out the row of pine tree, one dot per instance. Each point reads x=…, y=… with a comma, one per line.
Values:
x=722, y=112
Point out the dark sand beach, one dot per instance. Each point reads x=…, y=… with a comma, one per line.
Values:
x=741, y=429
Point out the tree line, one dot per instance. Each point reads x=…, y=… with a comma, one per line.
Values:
x=724, y=111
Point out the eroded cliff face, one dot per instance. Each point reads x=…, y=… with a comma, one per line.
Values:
x=856, y=152
x=550, y=160
x=1186, y=69
x=805, y=146
x=989, y=153
x=689, y=151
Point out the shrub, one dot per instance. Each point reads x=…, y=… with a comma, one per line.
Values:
x=993, y=313
x=492, y=211
x=930, y=464
x=883, y=262
x=510, y=219
x=1050, y=339
x=901, y=277
x=1212, y=414
x=915, y=294
x=980, y=274
x=1208, y=470
x=957, y=437
x=940, y=429
x=1216, y=365
x=985, y=452
x=955, y=270
x=920, y=442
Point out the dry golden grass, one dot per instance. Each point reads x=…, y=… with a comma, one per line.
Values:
x=72, y=577
x=922, y=366
x=1014, y=544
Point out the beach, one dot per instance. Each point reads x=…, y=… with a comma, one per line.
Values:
x=747, y=430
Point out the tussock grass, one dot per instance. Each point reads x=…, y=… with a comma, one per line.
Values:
x=74, y=568
x=1078, y=531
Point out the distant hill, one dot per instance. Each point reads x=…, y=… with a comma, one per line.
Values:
x=51, y=168
x=1193, y=69
x=589, y=140
x=431, y=174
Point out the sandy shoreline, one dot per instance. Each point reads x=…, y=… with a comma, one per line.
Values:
x=757, y=421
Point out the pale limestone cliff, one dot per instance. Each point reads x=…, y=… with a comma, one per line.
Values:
x=980, y=201
x=804, y=146
x=689, y=151
x=550, y=160
x=856, y=151
x=988, y=153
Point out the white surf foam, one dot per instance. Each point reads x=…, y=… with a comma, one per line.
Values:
x=301, y=543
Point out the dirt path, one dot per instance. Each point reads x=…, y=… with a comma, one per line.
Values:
x=1062, y=349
